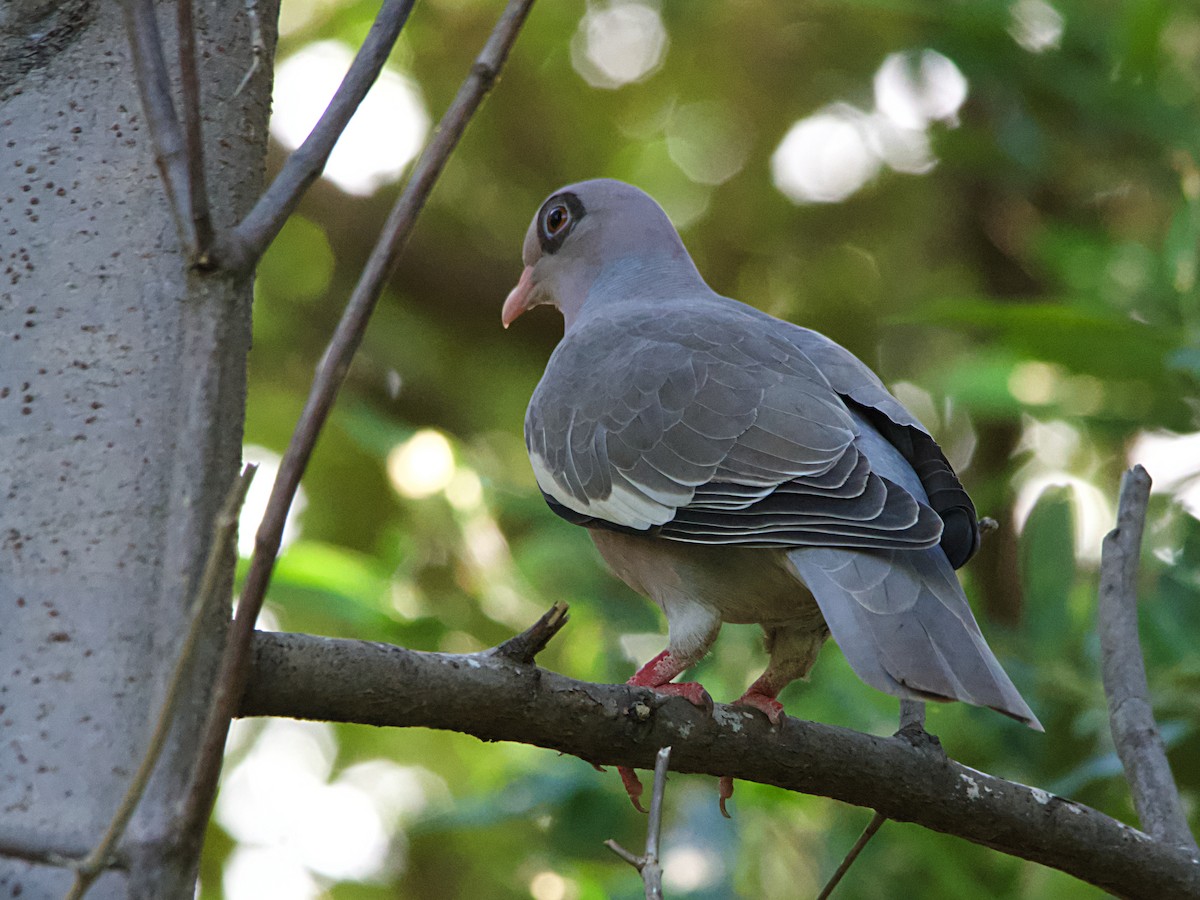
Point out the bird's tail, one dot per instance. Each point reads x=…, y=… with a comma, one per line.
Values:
x=904, y=625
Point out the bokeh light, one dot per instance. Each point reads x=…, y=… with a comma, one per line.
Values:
x=831, y=154
x=619, y=43
x=385, y=134
x=422, y=465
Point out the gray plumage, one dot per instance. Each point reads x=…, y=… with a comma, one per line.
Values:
x=725, y=461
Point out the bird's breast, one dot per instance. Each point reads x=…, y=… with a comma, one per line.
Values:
x=743, y=585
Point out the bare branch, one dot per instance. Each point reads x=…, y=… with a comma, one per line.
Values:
x=154, y=85
x=309, y=677
x=192, y=133
x=648, y=864
x=331, y=373
x=258, y=44
x=1130, y=715
x=22, y=843
x=525, y=647
x=244, y=246
x=219, y=552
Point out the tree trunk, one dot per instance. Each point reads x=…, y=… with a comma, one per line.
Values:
x=122, y=389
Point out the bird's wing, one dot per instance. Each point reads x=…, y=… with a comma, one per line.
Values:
x=705, y=425
x=864, y=393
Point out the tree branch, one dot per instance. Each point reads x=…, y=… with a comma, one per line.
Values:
x=192, y=131
x=648, y=864
x=309, y=677
x=220, y=552
x=241, y=249
x=154, y=85
x=1130, y=715
x=331, y=372
x=873, y=826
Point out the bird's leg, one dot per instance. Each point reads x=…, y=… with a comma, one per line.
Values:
x=793, y=650
x=657, y=675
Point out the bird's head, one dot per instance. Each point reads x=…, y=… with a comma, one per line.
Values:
x=596, y=242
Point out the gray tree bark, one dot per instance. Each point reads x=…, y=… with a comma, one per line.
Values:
x=122, y=387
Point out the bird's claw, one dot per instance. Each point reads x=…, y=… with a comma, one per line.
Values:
x=768, y=706
x=724, y=792
x=691, y=691
x=633, y=787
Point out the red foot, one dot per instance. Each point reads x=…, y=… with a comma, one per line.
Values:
x=724, y=792
x=633, y=787
x=769, y=706
x=691, y=691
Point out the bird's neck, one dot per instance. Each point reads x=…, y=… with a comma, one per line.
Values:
x=641, y=279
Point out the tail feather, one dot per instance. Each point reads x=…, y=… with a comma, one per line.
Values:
x=903, y=622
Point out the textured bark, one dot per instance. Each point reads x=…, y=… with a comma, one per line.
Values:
x=494, y=698
x=122, y=385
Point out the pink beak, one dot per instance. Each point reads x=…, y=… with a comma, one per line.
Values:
x=518, y=298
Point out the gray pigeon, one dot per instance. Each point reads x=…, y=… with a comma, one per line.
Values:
x=734, y=467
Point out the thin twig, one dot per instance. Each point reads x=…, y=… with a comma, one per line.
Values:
x=912, y=729
x=258, y=44
x=1130, y=715
x=873, y=826
x=249, y=239
x=648, y=864
x=219, y=551
x=192, y=132
x=331, y=373
x=154, y=85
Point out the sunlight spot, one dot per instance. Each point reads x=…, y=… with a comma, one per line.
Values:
x=256, y=501
x=485, y=542
x=1173, y=461
x=398, y=792
x=690, y=868
x=406, y=599
x=1036, y=25
x=465, y=491
x=255, y=872
x=422, y=465
x=825, y=157
x=903, y=149
x=914, y=89
x=1053, y=444
x=385, y=134
x=341, y=834
x=1034, y=382
x=1093, y=513
x=829, y=155
x=618, y=44
x=551, y=886
x=278, y=801
x=274, y=784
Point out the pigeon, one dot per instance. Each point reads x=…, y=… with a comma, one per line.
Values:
x=734, y=467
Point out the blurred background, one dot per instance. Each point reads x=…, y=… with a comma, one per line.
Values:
x=994, y=204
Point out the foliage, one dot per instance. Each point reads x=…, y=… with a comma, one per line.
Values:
x=1034, y=296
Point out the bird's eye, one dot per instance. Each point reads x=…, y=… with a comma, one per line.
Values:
x=556, y=219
